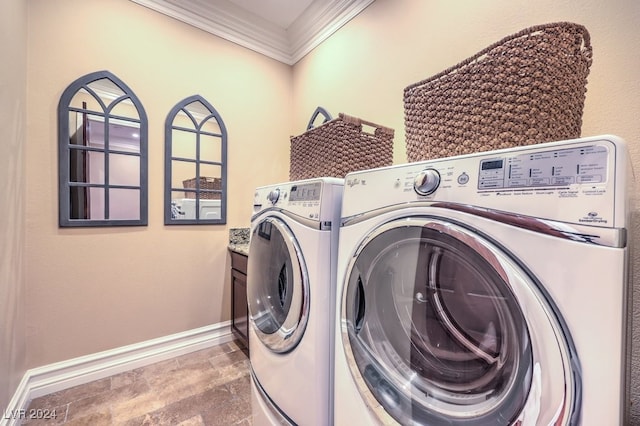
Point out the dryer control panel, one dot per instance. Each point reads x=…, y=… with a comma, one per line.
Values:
x=579, y=181
x=558, y=167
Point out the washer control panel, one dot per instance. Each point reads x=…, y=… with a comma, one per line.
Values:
x=586, y=164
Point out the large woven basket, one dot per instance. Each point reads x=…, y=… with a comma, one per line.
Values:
x=340, y=146
x=205, y=183
x=525, y=89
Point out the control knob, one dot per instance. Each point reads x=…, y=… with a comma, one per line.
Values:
x=273, y=196
x=427, y=181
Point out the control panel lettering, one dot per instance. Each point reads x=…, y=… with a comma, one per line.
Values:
x=306, y=192
x=583, y=165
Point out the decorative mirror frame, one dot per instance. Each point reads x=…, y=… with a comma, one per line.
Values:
x=64, y=152
x=169, y=208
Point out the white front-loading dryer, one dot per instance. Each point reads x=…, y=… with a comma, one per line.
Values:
x=291, y=297
x=486, y=289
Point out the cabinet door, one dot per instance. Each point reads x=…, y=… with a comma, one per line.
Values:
x=239, y=311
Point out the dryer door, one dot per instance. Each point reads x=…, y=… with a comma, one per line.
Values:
x=277, y=286
x=442, y=327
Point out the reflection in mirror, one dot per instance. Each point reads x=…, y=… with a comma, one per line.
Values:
x=124, y=203
x=103, y=153
x=210, y=149
x=195, y=164
x=86, y=202
x=184, y=144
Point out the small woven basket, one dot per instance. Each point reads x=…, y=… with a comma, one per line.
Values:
x=527, y=88
x=340, y=146
x=206, y=183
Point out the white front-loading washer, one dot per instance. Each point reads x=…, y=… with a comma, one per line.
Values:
x=486, y=289
x=291, y=296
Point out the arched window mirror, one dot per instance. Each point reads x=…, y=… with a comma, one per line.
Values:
x=195, y=164
x=102, y=153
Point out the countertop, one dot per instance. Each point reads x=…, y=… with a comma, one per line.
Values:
x=239, y=240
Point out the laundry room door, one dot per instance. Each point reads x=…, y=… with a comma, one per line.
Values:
x=277, y=286
x=440, y=326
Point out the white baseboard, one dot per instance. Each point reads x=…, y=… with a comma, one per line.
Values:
x=51, y=378
x=11, y=416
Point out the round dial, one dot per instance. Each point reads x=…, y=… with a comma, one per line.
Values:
x=273, y=196
x=427, y=181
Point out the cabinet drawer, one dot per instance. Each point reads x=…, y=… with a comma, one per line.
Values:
x=239, y=262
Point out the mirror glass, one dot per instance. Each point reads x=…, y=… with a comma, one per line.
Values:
x=104, y=178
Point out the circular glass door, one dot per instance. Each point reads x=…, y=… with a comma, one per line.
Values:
x=437, y=326
x=277, y=286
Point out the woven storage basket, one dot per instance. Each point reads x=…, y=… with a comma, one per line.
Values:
x=525, y=89
x=338, y=147
x=205, y=183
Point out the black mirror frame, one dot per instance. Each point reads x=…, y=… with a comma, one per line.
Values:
x=64, y=183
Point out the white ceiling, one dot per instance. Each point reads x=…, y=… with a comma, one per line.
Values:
x=284, y=30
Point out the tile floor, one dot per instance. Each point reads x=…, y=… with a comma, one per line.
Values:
x=207, y=387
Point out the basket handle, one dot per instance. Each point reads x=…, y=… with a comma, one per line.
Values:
x=314, y=116
x=359, y=122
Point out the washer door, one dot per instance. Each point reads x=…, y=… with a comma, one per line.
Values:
x=277, y=286
x=441, y=327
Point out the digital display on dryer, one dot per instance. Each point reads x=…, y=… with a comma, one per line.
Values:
x=306, y=192
x=492, y=164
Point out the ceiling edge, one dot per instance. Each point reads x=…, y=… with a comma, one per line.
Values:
x=262, y=37
x=319, y=22
x=232, y=23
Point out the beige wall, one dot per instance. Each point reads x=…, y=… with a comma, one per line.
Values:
x=363, y=68
x=95, y=289
x=13, y=41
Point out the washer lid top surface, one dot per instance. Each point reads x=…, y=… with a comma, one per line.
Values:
x=440, y=326
x=277, y=286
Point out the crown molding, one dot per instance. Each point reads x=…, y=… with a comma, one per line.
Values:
x=318, y=22
x=233, y=23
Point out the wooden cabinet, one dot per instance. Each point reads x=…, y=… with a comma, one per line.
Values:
x=239, y=309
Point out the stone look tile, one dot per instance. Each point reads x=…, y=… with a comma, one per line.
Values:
x=72, y=394
x=135, y=407
x=57, y=416
x=241, y=387
x=104, y=402
x=230, y=413
x=193, y=421
x=185, y=409
x=162, y=367
x=125, y=379
x=185, y=382
x=207, y=387
x=93, y=419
